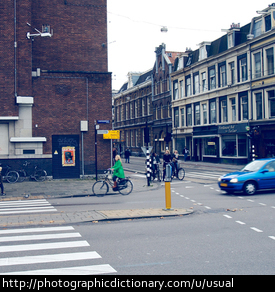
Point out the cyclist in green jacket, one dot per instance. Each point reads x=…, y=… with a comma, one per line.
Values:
x=118, y=170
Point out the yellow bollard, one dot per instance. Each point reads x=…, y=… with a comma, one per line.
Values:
x=168, y=195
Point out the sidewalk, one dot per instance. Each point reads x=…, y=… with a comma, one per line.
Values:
x=30, y=190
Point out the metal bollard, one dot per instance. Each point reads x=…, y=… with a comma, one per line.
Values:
x=168, y=188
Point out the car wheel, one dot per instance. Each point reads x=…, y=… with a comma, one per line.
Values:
x=250, y=188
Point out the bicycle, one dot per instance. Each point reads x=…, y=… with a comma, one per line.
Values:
x=38, y=174
x=11, y=176
x=101, y=187
x=157, y=173
x=178, y=173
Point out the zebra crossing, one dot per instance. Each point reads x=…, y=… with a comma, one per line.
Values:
x=26, y=206
x=48, y=251
x=203, y=175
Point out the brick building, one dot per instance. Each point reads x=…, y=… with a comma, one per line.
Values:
x=53, y=76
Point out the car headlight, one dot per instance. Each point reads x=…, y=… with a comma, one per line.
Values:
x=234, y=180
x=219, y=179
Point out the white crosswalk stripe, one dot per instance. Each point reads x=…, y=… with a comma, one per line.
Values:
x=23, y=207
x=203, y=175
x=64, y=257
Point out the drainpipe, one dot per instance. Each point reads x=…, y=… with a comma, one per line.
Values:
x=15, y=52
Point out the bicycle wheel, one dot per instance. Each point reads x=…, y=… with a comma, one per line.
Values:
x=100, y=188
x=127, y=187
x=22, y=175
x=40, y=175
x=12, y=176
x=181, y=173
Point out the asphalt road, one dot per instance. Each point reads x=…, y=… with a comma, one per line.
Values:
x=225, y=235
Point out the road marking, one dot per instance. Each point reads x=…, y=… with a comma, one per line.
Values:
x=250, y=200
x=193, y=201
x=63, y=257
x=189, y=187
x=182, y=196
x=39, y=237
x=21, y=207
x=40, y=246
x=256, y=229
x=262, y=204
x=207, y=207
x=227, y=216
x=240, y=222
x=29, y=230
x=272, y=237
x=84, y=270
x=187, y=198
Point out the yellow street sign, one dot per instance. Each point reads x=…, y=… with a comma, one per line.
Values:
x=112, y=135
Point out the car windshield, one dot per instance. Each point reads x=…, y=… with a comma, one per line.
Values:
x=254, y=166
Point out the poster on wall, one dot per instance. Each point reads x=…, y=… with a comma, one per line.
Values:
x=68, y=156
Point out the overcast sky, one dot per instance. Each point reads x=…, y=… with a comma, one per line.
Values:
x=134, y=28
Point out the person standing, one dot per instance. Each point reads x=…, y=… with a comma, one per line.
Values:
x=185, y=153
x=1, y=183
x=127, y=155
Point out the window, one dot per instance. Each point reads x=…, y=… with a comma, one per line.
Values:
x=188, y=85
x=222, y=71
x=257, y=65
x=234, y=145
x=270, y=61
x=233, y=109
x=176, y=90
x=127, y=111
x=243, y=69
x=244, y=107
x=148, y=106
x=131, y=138
x=224, y=111
x=212, y=78
x=189, y=116
x=176, y=117
x=156, y=112
x=181, y=89
x=213, y=112
x=169, y=109
x=267, y=21
x=230, y=40
x=210, y=147
x=196, y=83
x=259, y=106
x=131, y=111
x=271, y=103
x=136, y=108
x=143, y=107
x=161, y=111
x=204, y=84
x=197, y=114
x=204, y=113
x=182, y=117
x=257, y=28
x=232, y=72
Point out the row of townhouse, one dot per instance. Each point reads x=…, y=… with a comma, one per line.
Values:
x=218, y=100
x=223, y=97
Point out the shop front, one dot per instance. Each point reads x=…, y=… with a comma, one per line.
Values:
x=221, y=144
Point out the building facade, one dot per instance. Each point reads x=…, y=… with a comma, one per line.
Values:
x=145, y=102
x=223, y=94
x=54, y=83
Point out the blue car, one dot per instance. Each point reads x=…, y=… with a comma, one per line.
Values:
x=257, y=175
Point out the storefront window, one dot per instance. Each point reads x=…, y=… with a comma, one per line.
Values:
x=210, y=146
x=242, y=145
x=229, y=146
x=234, y=145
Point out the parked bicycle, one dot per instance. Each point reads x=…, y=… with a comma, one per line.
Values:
x=11, y=176
x=38, y=173
x=101, y=187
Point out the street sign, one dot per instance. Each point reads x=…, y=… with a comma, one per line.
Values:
x=103, y=121
x=144, y=149
x=102, y=132
x=112, y=135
